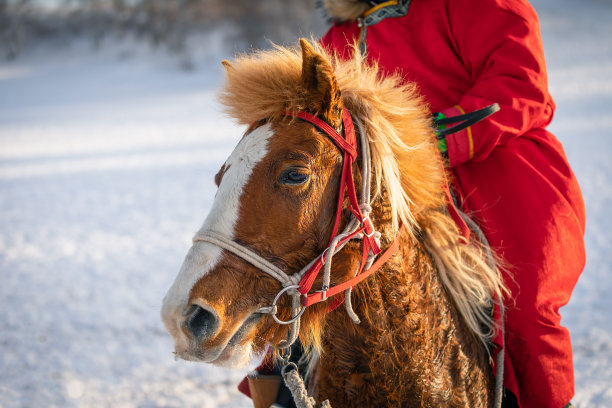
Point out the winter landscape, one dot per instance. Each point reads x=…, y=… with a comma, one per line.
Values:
x=107, y=159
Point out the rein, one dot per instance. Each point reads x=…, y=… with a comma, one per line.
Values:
x=464, y=121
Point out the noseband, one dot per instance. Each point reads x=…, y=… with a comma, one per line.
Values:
x=298, y=285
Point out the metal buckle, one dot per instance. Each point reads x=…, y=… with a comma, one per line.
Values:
x=285, y=354
x=278, y=295
x=363, y=220
x=323, y=290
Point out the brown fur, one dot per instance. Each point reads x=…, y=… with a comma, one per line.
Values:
x=416, y=345
x=410, y=348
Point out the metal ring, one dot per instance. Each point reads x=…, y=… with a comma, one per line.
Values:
x=278, y=295
x=287, y=366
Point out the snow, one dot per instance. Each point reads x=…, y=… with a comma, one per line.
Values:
x=106, y=170
x=578, y=45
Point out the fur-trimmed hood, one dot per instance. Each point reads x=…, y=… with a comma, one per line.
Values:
x=346, y=10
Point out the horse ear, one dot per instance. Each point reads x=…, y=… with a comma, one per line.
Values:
x=226, y=64
x=319, y=81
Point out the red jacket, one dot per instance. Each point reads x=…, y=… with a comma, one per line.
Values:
x=510, y=173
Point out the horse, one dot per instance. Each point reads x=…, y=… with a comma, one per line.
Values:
x=417, y=332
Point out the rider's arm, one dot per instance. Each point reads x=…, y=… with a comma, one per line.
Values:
x=499, y=42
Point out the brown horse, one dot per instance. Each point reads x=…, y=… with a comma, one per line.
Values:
x=423, y=329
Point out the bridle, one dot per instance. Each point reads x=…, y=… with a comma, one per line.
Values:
x=359, y=227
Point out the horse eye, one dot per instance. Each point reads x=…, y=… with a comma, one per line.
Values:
x=292, y=176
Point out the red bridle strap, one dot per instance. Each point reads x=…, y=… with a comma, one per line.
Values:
x=309, y=277
x=348, y=146
x=316, y=297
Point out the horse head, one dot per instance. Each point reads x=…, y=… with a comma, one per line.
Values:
x=277, y=195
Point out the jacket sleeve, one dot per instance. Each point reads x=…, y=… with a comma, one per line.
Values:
x=499, y=43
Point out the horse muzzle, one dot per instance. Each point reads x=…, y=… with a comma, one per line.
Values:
x=199, y=335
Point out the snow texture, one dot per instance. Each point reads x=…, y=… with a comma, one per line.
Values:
x=106, y=170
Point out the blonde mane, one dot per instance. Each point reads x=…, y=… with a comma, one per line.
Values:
x=405, y=159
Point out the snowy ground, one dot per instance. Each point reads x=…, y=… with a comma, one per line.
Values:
x=578, y=44
x=106, y=166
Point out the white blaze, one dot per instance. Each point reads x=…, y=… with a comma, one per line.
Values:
x=203, y=256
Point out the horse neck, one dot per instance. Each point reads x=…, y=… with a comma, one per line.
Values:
x=411, y=346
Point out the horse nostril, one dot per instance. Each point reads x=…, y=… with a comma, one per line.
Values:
x=201, y=322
